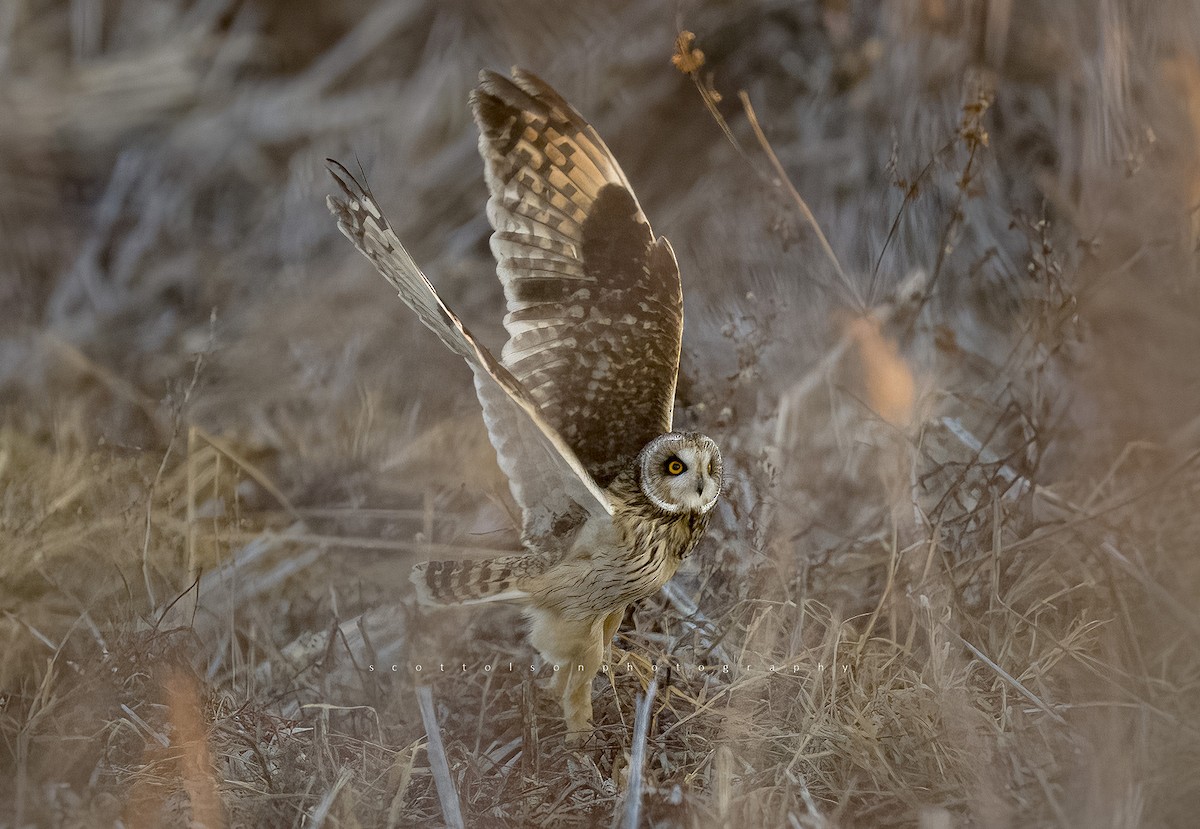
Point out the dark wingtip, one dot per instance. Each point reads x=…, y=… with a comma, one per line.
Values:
x=530, y=82
x=510, y=92
x=339, y=172
x=491, y=83
x=487, y=98
x=345, y=179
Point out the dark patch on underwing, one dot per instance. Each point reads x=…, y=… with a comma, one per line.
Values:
x=497, y=120
x=543, y=289
x=615, y=242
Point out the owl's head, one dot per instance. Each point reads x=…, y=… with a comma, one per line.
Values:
x=681, y=472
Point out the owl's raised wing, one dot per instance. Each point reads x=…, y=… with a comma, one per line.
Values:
x=547, y=480
x=595, y=306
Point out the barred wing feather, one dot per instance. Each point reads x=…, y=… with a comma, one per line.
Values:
x=547, y=480
x=595, y=306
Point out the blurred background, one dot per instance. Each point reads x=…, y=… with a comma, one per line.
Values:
x=963, y=441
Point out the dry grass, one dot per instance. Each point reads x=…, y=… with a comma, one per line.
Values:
x=954, y=573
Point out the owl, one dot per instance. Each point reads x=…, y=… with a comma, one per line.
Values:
x=579, y=404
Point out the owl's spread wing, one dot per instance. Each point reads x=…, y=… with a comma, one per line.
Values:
x=595, y=307
x=548, y=482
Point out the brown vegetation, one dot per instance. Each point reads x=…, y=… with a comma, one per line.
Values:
x=964, y=452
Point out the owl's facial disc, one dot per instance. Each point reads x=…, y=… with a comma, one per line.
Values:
x=681, y=472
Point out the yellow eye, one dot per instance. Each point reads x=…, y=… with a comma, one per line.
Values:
x=675, y=467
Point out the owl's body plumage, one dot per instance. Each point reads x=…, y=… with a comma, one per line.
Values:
x=601, y=567
x=579, y=407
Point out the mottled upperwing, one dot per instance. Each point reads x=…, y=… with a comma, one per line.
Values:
x=595, y=306
x=548, y=482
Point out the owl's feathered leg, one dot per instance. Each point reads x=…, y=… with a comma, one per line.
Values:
x=577, y=693
x=576, y=647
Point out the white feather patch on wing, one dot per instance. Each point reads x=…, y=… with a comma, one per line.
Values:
x=545, y=476
x=506, y=596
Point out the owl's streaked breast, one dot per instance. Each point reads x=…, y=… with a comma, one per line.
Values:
x=628, y=558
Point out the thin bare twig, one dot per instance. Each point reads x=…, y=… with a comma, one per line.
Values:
x=637, y=756
x=786, y=183
x=711, y=98
x=447, y=792
x=225, y=448
x=322, y=811
x=694, y=619
x=1005, y=675
x=176, y=423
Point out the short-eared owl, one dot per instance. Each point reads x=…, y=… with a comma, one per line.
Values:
x=579, y=405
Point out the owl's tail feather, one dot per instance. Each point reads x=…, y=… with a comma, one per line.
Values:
x=470, y=582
